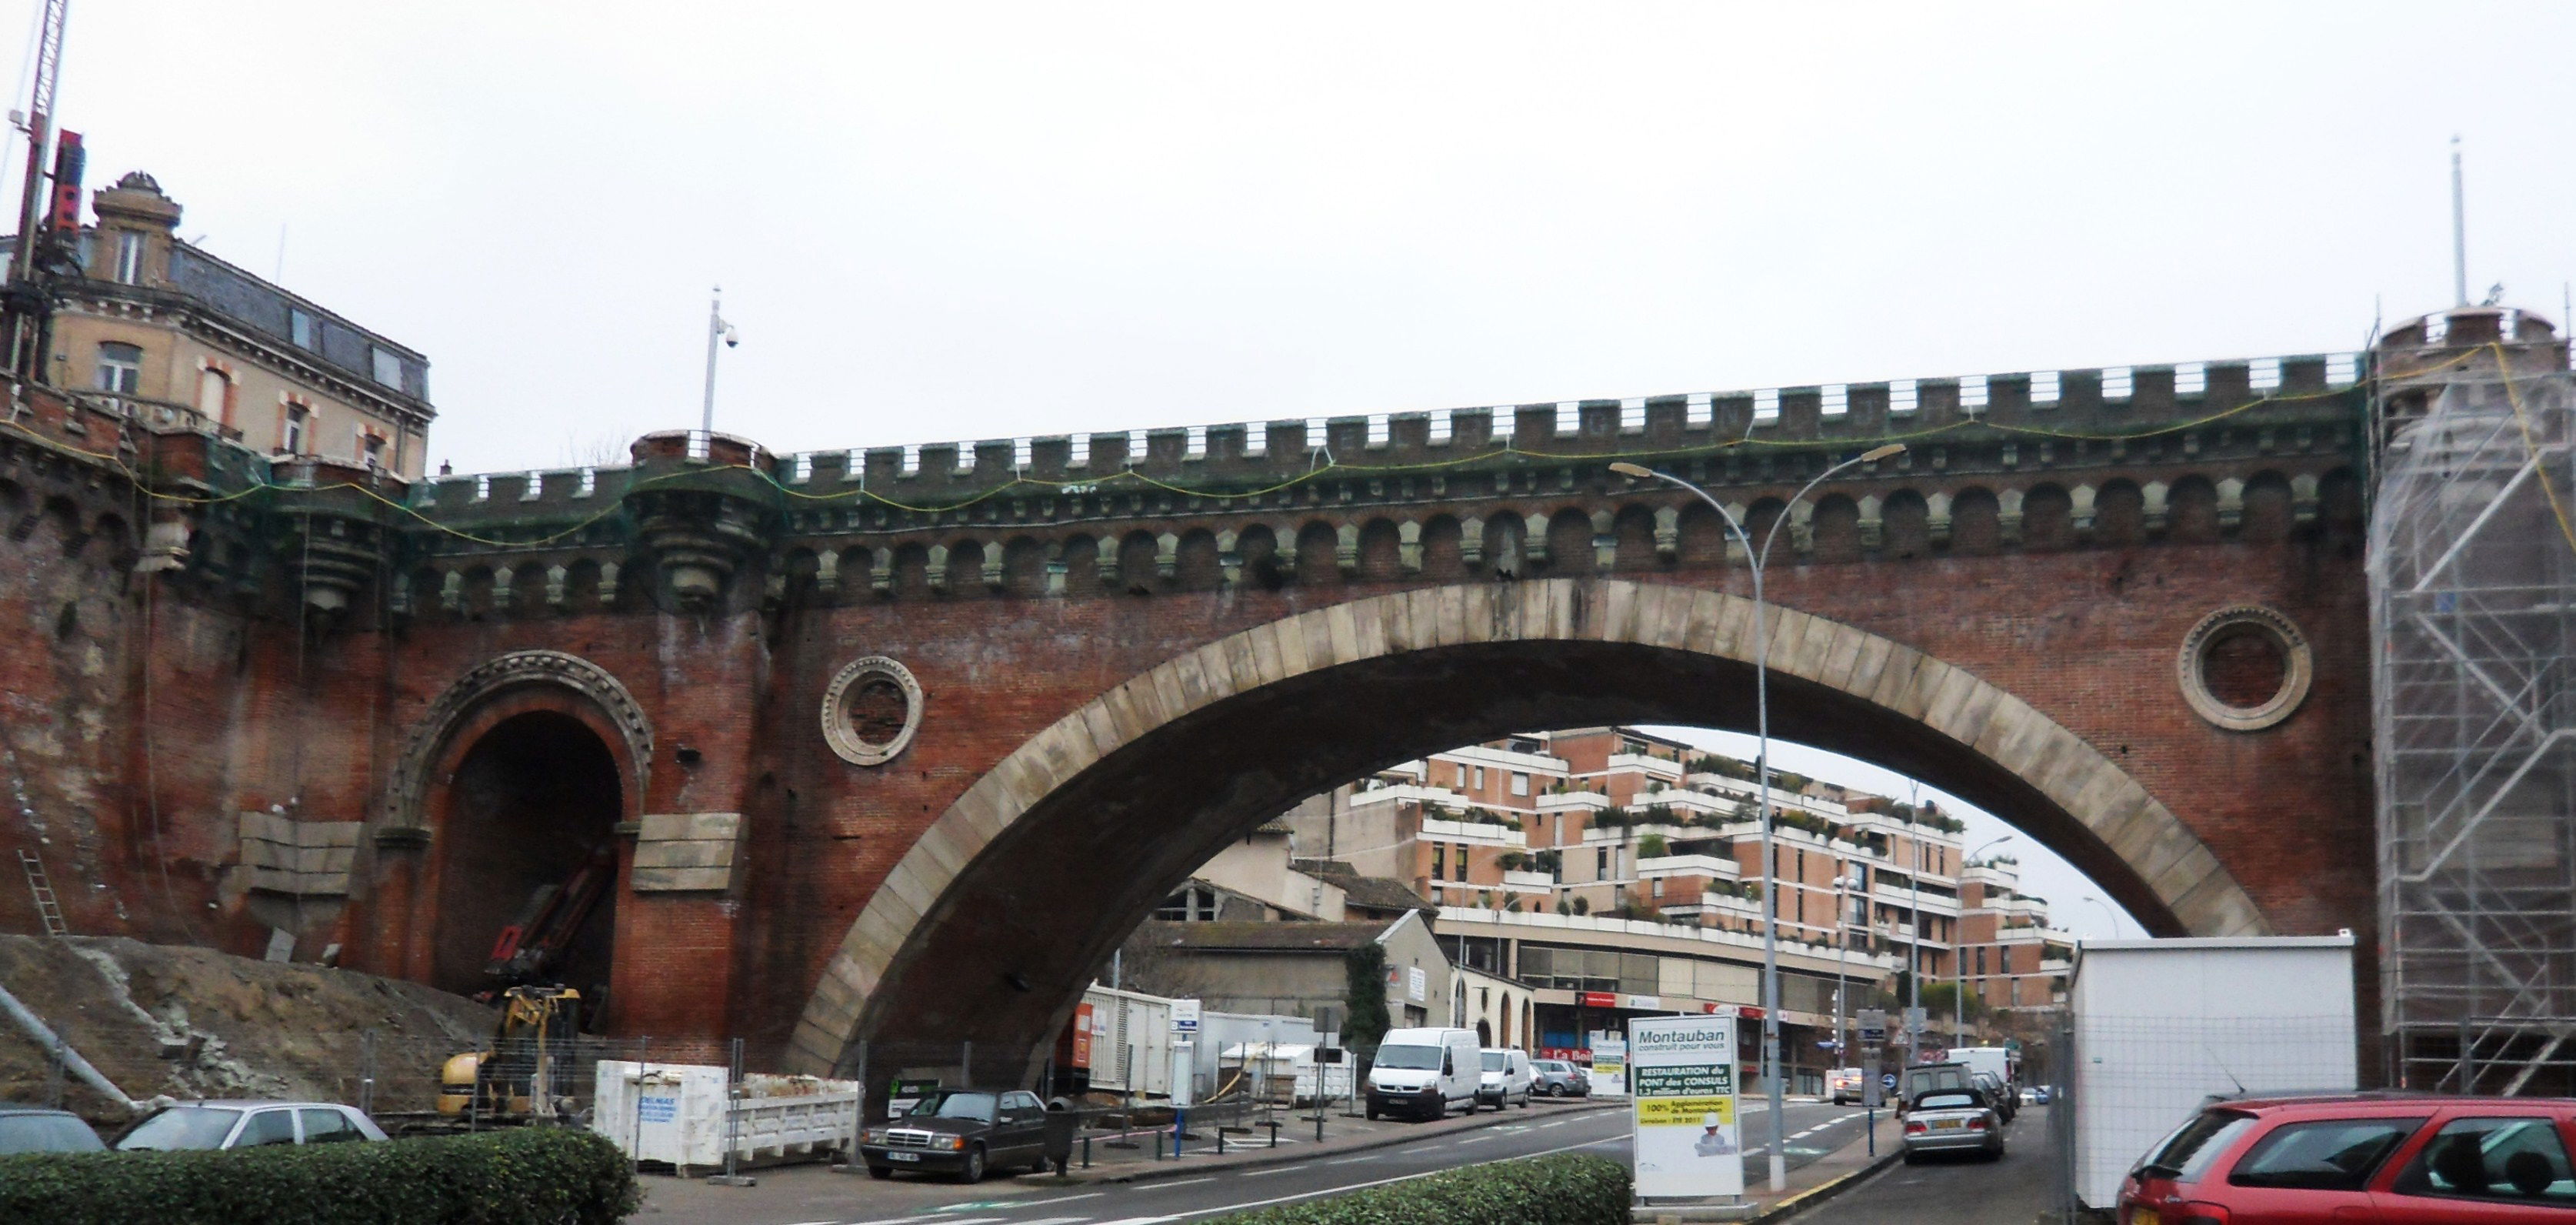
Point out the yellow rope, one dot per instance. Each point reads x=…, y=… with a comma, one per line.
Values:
x=2531, y=446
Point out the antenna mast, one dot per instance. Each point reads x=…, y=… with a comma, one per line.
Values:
x=25, y=299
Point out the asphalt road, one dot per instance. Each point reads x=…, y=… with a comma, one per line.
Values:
x=1954, y=1190
x=818, y=1198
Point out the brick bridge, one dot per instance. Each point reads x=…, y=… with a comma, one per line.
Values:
x=897, y=743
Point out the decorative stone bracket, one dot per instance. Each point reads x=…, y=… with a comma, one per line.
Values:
x=298, y=858
x=689, y=852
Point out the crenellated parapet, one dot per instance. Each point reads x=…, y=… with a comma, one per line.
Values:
x=2115, y=457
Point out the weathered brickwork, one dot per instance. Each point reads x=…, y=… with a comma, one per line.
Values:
x=329, y=646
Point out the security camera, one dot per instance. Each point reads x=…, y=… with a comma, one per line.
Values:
x=733, y=339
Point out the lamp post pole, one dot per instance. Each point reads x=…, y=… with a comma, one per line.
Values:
x=1771, y=1069
x=1842, y=966
x=1959, y=956
x=2107, y=913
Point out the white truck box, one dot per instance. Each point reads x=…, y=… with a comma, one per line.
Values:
x=2160, y=1026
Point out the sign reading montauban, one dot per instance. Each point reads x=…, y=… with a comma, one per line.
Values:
x=1681, y=1077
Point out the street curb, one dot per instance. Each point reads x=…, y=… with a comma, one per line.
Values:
x=1812, y=1196
x=1178, y=1169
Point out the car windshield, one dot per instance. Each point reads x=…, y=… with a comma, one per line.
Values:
x=1415, y=1058
x=46, y=1133
x=1945, y=1101
x=182, y=1127
x=1496, y=1061
x=974, y=1106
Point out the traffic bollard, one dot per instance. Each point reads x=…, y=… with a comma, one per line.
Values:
x=1086, y=1152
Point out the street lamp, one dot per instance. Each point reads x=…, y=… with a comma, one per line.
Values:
x=1959, y=956
x=1842, y=960
x=1762, y=771
x=2107, y=913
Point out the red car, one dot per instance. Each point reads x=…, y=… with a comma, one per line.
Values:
x=2396, y=1159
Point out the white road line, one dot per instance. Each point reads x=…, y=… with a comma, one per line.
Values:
x=1177, y=1182
x=1273, y=1170
x=1054, y=1220
x=1139, y=1220
x=1357, y=1186
x=1061, y=1199
x=1355, y=1160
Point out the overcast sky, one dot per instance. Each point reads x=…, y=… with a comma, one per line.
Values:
x=955, y=220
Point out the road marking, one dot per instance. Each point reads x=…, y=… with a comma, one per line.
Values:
x=1139, y=1220
x=1055, y=1220
x=1273, y=1170
x=1476, y=1140
x=1353, y=1160
x=1357, y=1186
x=1061, y=1199
x=1177, y=1182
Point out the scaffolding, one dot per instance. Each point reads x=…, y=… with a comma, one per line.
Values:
x=2473, y=606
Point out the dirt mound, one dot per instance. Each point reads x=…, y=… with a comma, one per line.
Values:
x=192, y=1022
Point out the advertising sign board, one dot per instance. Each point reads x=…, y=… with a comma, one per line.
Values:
x=1689, y=1139
x=1609, y=1063
x=1185, y=1017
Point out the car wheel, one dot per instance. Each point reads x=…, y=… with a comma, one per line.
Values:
x=880, y=1171
x=1911, y=1159
x=974, y=1169
x=1372, y=1112
x=1440, y=1108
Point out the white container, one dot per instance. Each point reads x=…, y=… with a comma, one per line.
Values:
x=1132, y=1053
x=2161, y=1026
x=676, y=1114
x=1290, y=1070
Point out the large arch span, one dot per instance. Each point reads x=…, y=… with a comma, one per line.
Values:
x=988, y=927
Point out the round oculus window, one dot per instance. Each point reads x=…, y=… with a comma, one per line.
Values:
x=2245, y=667
x=871, y=711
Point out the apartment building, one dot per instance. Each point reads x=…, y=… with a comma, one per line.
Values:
x=2008, y=956
x=162, y=330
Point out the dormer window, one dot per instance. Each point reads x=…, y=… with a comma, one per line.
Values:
x=388, y=367
x=299, y=327
x=129, y=258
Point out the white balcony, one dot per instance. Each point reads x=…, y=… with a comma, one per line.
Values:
x=1573, y=801
x=1473, y=833
x=1518, y=881
x=1713, y=867
x=1645, y=764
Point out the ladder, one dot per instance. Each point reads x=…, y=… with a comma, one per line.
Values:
x=43, y=888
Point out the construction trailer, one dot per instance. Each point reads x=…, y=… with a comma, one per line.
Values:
x=2157, y=1028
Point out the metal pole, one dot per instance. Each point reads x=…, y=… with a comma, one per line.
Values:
x=858, y=1105
x=715, y=333
x=1842, y=966
x=733, y=1113
x=966, y=1064
x=367, y=1072
x=2459, y=230
x=1959, y=956
x=1771, y=1067
x=1914, y=941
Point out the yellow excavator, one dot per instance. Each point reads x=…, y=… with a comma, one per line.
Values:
x=524, y=1073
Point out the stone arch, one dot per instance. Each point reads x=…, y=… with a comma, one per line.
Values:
x=2121, y=516
x=1318, y=552
x=2194, y=513
x=1548, y=652
x=2267, y=507
x=1907, y=525
x=2047, y=519
x=1258, y=545
x=438, y=726
x=1198, y=567
x=1444, y=549
x=1569, y=542
x=1381, y=554
x=1976, y=522
x=1837, y=528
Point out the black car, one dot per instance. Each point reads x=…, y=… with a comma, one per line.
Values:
x=964, y=1132
x=33, y=1129
x=1998, y=1095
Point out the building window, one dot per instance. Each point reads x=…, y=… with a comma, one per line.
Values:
x=1462, y=776
x=120, y=367
x=129, y=258
x=1480, y=778
x=1461, y=862
x=1439, y=860
x=1601, y=864
x=1981, y=961
x=389, y=367
x=1520, y=784
x=299, y=327
x=291, y=438
x=212, y=395
x=1657, y=887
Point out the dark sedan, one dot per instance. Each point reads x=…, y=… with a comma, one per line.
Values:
x=962, y=1132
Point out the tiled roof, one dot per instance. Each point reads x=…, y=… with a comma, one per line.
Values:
x=1261, y=937
x=1370, y=892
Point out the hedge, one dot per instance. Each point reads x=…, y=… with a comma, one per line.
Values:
x=525, y=1176
x=1565, y=1189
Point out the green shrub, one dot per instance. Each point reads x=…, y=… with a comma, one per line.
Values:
x=527, y=1176
x=1565, y=1189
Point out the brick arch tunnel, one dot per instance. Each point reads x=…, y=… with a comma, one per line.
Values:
x=990, y=927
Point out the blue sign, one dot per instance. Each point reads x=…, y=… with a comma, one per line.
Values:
x=657, y=1109
x=1887, y=1081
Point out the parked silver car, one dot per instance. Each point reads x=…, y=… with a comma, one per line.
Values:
x=1952, y=1121
x=1558, y=1078
x=34, y=1129
x=249, y=1124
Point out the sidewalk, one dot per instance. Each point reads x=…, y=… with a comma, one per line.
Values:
x=1343, y=1133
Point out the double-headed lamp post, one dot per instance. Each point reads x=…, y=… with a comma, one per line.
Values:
x=1779, y=1147
x=1959, y=956
x=1842, y=965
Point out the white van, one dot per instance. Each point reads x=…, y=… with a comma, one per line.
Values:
x=1425, y=1072
x=1507, y=1076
